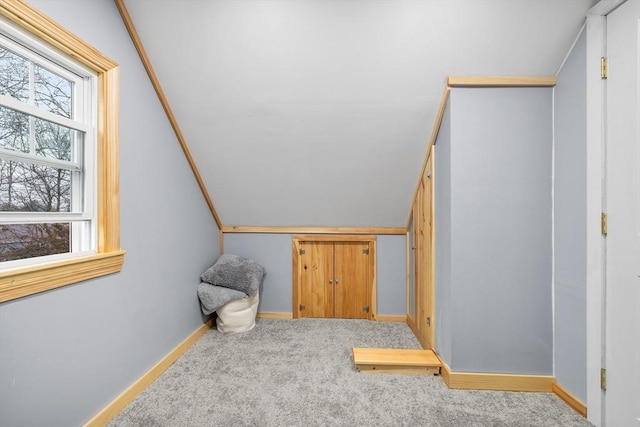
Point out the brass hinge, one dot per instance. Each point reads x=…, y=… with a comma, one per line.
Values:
x=603, y=379
x=365, y=309
x=302, y=307
x=604, y=223
x=365, y=251
x=604, y=67
x=302, y=252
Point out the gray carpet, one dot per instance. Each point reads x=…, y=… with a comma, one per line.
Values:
x=301, y=373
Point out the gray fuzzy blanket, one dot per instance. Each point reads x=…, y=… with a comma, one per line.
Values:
x=234, y=272
x=213, y=297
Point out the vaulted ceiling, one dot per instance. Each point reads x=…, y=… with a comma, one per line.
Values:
x=318, y=113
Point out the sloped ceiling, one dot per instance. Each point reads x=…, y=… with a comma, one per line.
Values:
x=318, y=113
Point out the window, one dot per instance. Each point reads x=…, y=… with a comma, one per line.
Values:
x=59, y=219
x=47, y=156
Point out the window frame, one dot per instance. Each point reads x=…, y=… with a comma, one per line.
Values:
x=109, y=257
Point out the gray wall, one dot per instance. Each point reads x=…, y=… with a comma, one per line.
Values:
x=273, y=251
x=442, y=191
x=500, y=227
x=570, y=223
x=391, y=274
x=66, y=353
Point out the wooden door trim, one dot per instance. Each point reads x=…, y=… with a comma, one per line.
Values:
x=432, y=249
x=295, y=309
x=297, y=267
x=407, y=280
x=333, y=238
x=371, y=290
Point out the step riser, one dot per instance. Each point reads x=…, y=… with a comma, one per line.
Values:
x=397, y=361
x=409, y=370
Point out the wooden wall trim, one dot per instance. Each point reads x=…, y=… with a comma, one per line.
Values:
x=126, y=18
x=114, y=407
x=501, y=382
x=444, y=371
x=273, y=315
x=510, y=81
x=509, y=382
x=334, y=238
x=432, y=140
x=314, y=230
x=569, y=399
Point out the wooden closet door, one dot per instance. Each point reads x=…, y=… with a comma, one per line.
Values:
x=423, y=238
x=351, y=274
x=317, y=270
x=427, y=296
x=419, y=241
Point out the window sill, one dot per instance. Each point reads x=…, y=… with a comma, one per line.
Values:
x=20, y=282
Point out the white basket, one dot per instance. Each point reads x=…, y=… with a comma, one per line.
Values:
x=238, y=315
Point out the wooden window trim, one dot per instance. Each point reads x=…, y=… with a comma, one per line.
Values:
x=20, y=282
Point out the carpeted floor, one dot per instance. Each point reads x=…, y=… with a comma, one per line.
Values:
x=301, y=373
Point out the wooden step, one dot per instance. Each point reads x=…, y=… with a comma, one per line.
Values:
x=397, y=361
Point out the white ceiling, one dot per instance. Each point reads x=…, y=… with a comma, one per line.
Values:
x=318, y=113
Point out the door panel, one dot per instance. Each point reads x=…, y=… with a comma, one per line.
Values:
x=351, y=274
x=421, y=271
x=316, y=271
x=419, y=245
x=428, y=251
x=423, y=238
x=334, y=277
x=622, y=313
